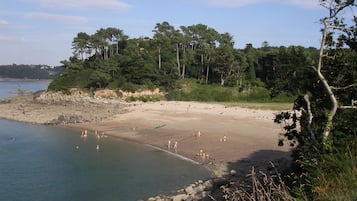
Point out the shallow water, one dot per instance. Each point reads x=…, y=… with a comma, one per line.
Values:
x=8, y=88
x=42, y=163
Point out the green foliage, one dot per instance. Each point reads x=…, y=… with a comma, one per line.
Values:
x=144, y=99
x=30, y=71
x=196, y=63
x=61, y=83
x=130, y=87
x=201, y=93
x=192, y=91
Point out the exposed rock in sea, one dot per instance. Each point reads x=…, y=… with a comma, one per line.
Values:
x=63, y=119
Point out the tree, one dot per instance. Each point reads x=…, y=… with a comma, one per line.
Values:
x=204, y=40
x=225, y=63
x=331, y=23
x=322, y=132
x=252, y=59
x=167, y=38
x=81, y=45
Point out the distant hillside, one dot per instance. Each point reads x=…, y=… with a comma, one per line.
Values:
x=30, y=71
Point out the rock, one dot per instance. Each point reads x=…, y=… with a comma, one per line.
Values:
x=180, y=197
x=208, y=184
x=72, y=119
x=233, y=172
x=189, y=189
x=200, y=188
x=151, y=199
x=218, y=182
x=4, y=101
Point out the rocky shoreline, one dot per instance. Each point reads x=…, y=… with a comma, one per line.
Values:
x=58, y=108
x=139, y=122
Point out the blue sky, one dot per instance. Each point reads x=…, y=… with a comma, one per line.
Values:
x=41, y=31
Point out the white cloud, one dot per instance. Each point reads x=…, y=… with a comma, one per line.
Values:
x=5, y=38
x=83, y=4
x=235, y=3
x=3, y=22
x=304, y=3
x=56, y=17
x=240, y=3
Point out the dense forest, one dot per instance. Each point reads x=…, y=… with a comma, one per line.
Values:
x=195, y=62
x=198, y=53
x=30, y=71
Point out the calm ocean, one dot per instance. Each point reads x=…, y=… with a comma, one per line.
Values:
x=42, y=163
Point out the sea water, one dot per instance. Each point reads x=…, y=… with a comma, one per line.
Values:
x=51, y=163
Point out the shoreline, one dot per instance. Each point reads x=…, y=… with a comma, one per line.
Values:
x=247, y=131
x=173, y=154
x=227, y=134
x=226, y=140
x=8, y=79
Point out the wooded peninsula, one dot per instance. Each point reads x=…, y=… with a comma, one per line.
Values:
x=197, y=63
x=190, y=63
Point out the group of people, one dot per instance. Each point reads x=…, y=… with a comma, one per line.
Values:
x=223, y=139
x=201, y=154
x=174, y=146
x=84, y=135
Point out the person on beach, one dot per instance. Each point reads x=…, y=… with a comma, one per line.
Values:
x=169, y=145
x=197, y=134
x=175, y=146
x=97, y=135
x=84, y=134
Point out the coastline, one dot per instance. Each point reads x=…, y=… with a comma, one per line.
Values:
x=8, y=79
x=174, y=154
x=224, y=139
x=155, y=123
x=227, y=134
x=247, y=131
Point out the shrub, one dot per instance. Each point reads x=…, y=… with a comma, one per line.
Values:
x=263, y=187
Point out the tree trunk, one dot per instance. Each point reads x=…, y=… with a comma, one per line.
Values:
x=222, y=80
x=184, y=64
x=159, y=58
x=207, y=69
x=328, y=88
x=183, y=71
x=178, y=59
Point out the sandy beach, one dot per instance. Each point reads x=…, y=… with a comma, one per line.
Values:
x=206, y=133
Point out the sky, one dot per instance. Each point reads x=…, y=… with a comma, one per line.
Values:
x=42, y=31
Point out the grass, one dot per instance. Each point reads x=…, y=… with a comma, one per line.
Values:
x=263, y=186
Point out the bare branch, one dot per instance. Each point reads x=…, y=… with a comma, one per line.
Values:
x=310, y=116
x=341, y=28
x=343, y=88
